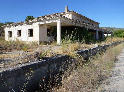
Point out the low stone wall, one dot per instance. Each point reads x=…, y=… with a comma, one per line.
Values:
x=86, y=54
x=26, y=78
x=46, y=73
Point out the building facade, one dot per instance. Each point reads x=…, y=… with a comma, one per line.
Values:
x=37, y=30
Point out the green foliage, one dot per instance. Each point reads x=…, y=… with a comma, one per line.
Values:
x=43, y=54
x=25, y=47
x=1, y=24
x=119, y=33
x=29, y=18
x=77, y=34
x=74, y=34
x=1, y=30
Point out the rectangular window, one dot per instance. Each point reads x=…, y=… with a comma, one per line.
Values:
x=48, y=32
x=30, y=32
x=9, y=33
x=19, y=33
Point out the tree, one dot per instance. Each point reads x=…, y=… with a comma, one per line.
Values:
x=1, y=30
x=29, y=18
x=1, y=24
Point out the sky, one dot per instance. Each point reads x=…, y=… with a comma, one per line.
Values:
x=109, y=13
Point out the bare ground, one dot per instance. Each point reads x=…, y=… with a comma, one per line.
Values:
x=116, y=82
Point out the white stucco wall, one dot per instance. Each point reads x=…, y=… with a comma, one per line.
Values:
x=39, y=29
x=24, y=33
x=39, y=32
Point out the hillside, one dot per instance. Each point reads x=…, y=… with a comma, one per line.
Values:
x=112, y=28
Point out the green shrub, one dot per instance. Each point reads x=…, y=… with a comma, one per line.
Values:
x=119, y=33
x=77, y=34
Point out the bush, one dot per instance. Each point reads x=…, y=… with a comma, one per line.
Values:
x=119, y=33
x=77, y=34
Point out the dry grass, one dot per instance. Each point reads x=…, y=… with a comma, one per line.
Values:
x=87, y=77
x=16, y=59
x=111, y=40
x=67, y=48
x=17, y=51
x=16, y=45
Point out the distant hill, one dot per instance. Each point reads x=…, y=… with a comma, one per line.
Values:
x=112, y=28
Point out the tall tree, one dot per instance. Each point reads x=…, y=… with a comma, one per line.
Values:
x=29, y=18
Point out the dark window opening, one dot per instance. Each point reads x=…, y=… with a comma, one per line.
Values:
x=30, y=32
x=19, y=33
x=48, y=32
x=10, y=33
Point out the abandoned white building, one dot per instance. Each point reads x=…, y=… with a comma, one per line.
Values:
x=37, y=30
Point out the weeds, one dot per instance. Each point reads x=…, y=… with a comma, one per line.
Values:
x=88, y=76
x=16, y=45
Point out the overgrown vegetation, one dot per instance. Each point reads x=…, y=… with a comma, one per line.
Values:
x=29, y=18
x=78, y=34
x=68, y=46
x=74, y=34
x=6, y=46
x=1, y=24
x=88, y=76
x=13, y=53
x=119, y=33
x=1, y=30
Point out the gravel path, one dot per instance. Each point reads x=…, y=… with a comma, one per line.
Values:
x=116, y=82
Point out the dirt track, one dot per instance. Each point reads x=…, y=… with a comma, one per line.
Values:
x=116, y=82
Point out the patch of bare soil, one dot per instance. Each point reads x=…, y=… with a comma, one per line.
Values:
x=116, y=82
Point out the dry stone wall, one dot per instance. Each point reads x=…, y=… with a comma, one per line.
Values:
x=46, y=73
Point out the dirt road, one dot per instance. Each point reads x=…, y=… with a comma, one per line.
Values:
x=116, y=82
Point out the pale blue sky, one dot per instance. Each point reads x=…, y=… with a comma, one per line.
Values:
x=107, y=12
